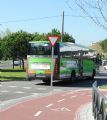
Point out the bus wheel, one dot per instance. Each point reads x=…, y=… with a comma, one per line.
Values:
x=73, y=75
x=29, y=78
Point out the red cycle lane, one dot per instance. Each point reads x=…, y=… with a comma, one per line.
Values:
x=58, y=106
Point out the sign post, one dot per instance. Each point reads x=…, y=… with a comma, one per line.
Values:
x=52, y=40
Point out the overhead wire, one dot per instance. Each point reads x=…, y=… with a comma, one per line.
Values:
x=42, y=18
x=29, y=19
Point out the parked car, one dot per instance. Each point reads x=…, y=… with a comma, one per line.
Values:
x=104, y=64
x=17, y=62
x=105, y=67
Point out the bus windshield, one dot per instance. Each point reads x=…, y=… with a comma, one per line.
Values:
x=41, y=48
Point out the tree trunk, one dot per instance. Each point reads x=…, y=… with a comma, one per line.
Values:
x=13, y=63
x=23, y=64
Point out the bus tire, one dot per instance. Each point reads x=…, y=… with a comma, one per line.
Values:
x=30, y=77
x=73, y=75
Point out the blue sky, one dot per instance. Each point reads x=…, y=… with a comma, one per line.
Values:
x=26, y=14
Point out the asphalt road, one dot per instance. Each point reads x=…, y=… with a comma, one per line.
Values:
x=15, y=91
x=36, y=100
x=41, y=101
x=58, y=106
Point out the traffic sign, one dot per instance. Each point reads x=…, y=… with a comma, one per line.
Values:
x=53, y=40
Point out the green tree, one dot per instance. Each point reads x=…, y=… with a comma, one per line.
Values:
x=66, y=36
x=7, y=47
x=104, y=45
x=15, y=45
x=39, y=37
x=1, y=53
x=54, y=32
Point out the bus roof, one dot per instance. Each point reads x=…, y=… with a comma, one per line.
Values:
x=67, y=46
x=73, y=47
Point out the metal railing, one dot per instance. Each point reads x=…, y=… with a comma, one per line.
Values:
x=99, y=103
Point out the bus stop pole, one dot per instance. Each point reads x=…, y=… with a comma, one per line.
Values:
x=52, y=64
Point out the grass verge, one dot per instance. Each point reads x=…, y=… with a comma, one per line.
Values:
x=12, y=74
x=103, y=87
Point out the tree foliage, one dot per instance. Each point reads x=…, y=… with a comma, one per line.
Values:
x=66, y=36
x=104, y=45
x=39, y=37
x=1, y=53
x=15, y=45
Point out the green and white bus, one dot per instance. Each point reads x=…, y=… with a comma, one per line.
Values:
x=68, y=64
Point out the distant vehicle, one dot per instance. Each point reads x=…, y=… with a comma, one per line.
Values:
x=105, y=67
x=104, y=64
x=68, y=64
x=17, y=62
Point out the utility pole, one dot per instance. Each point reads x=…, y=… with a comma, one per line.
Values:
x=62, y=27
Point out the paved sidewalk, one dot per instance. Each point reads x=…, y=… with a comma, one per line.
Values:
x=85, y=112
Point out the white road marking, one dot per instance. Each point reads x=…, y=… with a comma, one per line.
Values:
x=63, y=109
x=41, y=88
x=61, y=100
x=68, y=93
x=49, y=105
x=1, y=85
x=12, y=86
x=81, y=90
x=35, y=93
x=20, y=92
x=27, y=87
x=4, y=91
x=73, y=96
x=57, y=90
x=74, y=91
x=38, y=82
x=38, y=113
